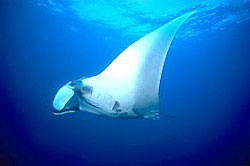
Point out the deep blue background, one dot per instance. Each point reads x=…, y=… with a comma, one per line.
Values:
x=204, y=90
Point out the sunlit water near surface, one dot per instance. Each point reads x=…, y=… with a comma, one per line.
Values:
x=204, y=89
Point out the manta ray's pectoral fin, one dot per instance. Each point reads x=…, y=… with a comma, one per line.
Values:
x=133, y=78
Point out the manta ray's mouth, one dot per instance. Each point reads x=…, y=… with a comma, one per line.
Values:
x=63, y=111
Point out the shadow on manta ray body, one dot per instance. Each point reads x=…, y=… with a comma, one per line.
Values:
x=129, y=87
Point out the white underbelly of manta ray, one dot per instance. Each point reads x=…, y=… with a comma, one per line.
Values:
x=129, y=86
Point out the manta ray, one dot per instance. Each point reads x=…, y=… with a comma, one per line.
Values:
x=129, y=87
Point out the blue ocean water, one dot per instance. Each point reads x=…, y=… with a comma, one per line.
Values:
x=204, y=88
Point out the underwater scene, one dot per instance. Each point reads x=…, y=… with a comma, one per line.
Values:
x=125, y=83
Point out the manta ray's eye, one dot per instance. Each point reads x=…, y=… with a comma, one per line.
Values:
x=86, y=89
x=79, y=86
x=75, y=83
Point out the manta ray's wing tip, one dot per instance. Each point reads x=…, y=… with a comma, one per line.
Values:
x=189, y=14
